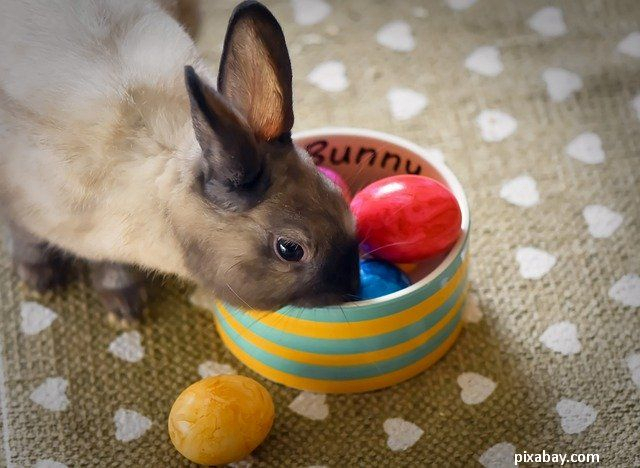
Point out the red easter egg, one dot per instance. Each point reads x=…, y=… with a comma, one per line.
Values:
x=406, y=218
x=334, y=177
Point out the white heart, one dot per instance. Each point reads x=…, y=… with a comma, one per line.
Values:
x=212, y=368
x=630, y=45
x=51, y=394
x=244, y=463
x=128, y=347
x=562, y=337
x=521, y=191
x=472, y=312
x=534, y=263
x=202, y=297
x=587, y=148
x=496, y=125
x=548, y=22
x=460, y=4
x=633, y=362
x=626, y=290
x=601, y=221
x=310, y=405
x=49, y=464
x=130, y=424
x=485, y=60
x=35, y=317
x=475, y=387
x=401, y=434
x=561, y=83
x=329, y=76
x=501, y=455
x=575, y=416
x=308, y=12
x=405, y=103
x=396, y=35
x=635, y=104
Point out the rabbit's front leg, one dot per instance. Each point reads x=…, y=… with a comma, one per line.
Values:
x=39, y=265
x=121, y=289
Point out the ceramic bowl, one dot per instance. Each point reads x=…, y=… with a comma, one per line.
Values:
x=365, y=345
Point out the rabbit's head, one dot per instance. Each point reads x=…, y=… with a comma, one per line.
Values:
x=261, y=226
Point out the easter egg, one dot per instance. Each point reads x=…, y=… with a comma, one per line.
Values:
x=379, y=278
x=337, y=179
x=221, y=419
x=406, y=218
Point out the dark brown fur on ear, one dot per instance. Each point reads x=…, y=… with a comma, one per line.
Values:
x=255, y=71
x=233, y=170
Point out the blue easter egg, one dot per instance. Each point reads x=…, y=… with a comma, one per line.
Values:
x=379, y=278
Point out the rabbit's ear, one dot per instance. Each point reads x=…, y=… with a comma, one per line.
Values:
x=255, y=71
x=233, y=174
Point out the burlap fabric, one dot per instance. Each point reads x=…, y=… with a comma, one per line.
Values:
x=503, y=346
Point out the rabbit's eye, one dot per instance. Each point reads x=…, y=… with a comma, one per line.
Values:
x=289, y=250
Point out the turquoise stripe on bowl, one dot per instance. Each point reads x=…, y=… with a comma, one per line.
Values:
x=353, y=345
x=343, y=372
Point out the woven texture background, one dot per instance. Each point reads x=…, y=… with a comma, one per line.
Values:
x=503, y=346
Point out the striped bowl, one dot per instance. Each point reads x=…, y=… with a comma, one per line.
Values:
x=366, y=345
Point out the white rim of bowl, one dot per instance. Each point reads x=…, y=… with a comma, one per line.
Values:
x=445, y=172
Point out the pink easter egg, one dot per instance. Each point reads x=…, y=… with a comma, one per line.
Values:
x=337, y=179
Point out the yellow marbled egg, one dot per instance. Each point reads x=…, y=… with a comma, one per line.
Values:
x=220, y=419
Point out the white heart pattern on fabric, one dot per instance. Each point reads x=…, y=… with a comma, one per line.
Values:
x=633, y=363
x=128, y=347
x=635, y=104
x=548, y=22
x=521, y=191
x=35, y=317
x=562, y=337
x=534, y=263
x=51, y=394
x=310, y=405
x=501, y=455
x=586, y=148
x=244, y=463
x=561, y=83
x=401, y=434
x=475, y=387
x=575, y=416
x=630, y=45
x=472, y=312
x=406, y=103
x=397, y=36
x=460, y=4
x=130, y=425
x=626, y=290
x=496, y=125
x=601, y=221
x=308, y=12
x=485, y=61
x=329, y=76
x=49, y=464
x=212, y=368
x=202, y=297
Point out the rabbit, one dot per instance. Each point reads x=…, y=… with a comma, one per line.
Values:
x=116, y=148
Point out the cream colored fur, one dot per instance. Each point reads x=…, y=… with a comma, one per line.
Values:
x=95, y=133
